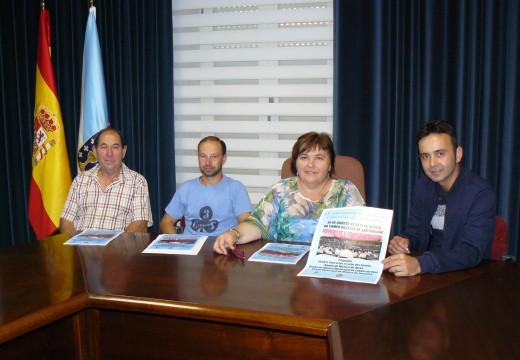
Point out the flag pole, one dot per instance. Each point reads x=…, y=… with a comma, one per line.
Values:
x=42, y=3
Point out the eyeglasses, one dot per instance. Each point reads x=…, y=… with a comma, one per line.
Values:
x=239, y=253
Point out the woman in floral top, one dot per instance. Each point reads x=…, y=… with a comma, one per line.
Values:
x=290, y=209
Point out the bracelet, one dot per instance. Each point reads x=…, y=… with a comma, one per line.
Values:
x=238, y=234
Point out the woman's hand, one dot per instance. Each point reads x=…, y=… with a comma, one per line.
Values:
x=225, y=241
x=246, y=232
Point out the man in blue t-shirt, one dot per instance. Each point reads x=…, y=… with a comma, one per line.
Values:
x=452, y=218
x=212, y=203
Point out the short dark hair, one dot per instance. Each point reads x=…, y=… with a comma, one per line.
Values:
x=310, y=141
x=107, y=129
x=437, y=127
x=213, y=138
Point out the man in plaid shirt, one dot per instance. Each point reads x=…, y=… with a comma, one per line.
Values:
x=109, y=196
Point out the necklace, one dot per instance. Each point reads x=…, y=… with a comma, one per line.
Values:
x=311, y=195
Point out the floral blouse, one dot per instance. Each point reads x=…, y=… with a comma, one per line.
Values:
x=285, y=214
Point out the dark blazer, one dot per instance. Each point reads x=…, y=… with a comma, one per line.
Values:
x=469, y=223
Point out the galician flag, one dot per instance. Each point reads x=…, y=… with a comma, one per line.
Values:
x=94, y=113
x=51, y=178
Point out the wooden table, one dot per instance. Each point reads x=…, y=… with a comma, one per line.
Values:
x=115, y=302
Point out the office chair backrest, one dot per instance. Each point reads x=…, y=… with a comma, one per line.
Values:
x=345, y=167
x=499, y=247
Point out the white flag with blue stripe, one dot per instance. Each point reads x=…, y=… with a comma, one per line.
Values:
x=94, y=110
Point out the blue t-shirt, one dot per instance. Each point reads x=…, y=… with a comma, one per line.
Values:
x=209, y=210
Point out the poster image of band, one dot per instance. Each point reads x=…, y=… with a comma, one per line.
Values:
x=350, y=245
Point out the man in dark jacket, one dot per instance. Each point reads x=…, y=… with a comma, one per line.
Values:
x=452, y=218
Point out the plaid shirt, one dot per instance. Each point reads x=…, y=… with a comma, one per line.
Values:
x=124, y=201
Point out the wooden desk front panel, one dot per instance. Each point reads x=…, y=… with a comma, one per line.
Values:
x=40, y=282
x=125, y=335
x=53, y=341
x=468, y=318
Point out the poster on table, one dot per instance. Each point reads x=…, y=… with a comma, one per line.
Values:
x=349, y=244
x=94, y=237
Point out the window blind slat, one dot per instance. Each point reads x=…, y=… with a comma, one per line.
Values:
x=254, y=109
x=253, y=17
x=282, y=146
x=255, y=54
x=312, y=34
x=264, y=127
x=263, y=72
x=190, y=4
x=267, y=90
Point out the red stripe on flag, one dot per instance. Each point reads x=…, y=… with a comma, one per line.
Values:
x=44, y=62
x=40, y=221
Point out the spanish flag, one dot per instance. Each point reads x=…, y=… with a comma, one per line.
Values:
x=51, y=178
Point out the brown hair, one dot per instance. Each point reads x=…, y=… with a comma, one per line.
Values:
x=213, y=138
x=311, y=141
x=109, y=129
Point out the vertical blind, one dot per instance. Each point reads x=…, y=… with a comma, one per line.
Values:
x=257, y=74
